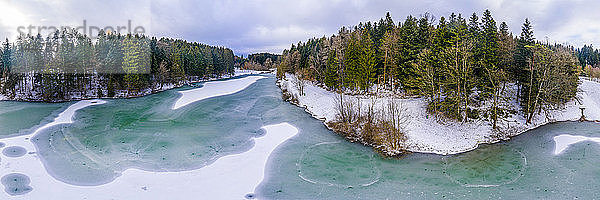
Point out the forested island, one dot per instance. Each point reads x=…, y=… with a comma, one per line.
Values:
x=466, y=70
x=68, y=65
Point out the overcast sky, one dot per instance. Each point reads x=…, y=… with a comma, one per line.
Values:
x=249, y=26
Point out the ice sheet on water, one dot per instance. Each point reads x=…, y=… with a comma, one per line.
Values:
x=571, y=174
x=334, y=164
x=20, y=118
x=145, y=133
x=486, y=167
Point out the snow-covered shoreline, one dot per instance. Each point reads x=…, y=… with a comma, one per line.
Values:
x=122, y=94
x=428, y=135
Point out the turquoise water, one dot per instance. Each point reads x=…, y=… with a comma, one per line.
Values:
x=522, y=168
x=20, y=118
x=145, y=133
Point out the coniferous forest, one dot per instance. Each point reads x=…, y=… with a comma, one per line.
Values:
x=68, y=65
x=464, y=66
x=261, y=61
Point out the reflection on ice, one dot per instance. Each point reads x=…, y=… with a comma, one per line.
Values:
x=564, y=141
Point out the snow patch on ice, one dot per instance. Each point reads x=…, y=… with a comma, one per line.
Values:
x=66, y=117
x=428, y=135
x=562, y=142
x=214, y=89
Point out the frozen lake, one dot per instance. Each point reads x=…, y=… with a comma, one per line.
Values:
x=128, y=148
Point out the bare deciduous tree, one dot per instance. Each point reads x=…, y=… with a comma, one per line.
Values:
x=346, y=109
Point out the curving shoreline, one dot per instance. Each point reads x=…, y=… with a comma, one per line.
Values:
x=124, y=95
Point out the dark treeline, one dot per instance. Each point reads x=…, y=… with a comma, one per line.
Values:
x=261, y=61
x=587, y=55
x=590, y=60
x=68, y=65
x=466, y=68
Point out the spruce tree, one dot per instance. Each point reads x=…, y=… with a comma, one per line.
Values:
x=331, y=74
x=492, y=76
x=367, y=63
x=524, y=66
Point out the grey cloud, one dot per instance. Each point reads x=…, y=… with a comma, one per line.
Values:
x=249, y=26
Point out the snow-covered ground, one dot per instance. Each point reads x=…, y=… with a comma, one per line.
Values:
x=213, y=89
x=428, y=135
x=230, y=177
x=239, y=72
x=2, y=97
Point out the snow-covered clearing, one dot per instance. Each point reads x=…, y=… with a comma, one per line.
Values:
x=230, y=177
x=214, y=89
x=428, y=135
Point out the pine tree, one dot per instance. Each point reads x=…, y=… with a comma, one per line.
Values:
x=331, y=75
x=407, y=54
x=136, y=61
x=507, y=46
x=367, y=64
x=525, y=62
x=6, y=61
x=389, y=49
x=523, y=54
x=352, y=63
x=493, y=75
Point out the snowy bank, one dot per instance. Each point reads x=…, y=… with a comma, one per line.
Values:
x=240, y=72
x=428, y=135
x=230, y=177
x=214, y=89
